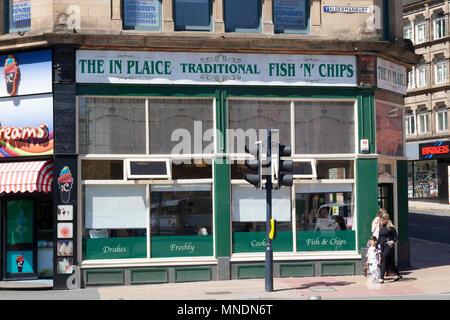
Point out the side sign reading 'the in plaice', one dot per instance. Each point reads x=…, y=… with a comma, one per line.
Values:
x=133, y=67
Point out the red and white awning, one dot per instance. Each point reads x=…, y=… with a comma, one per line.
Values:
x=26, y=176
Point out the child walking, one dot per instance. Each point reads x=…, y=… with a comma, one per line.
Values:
x=373, y=260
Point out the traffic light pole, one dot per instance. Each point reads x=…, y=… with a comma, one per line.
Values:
x=269, y=250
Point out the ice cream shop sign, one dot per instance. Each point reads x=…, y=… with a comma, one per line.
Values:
x=93, y=66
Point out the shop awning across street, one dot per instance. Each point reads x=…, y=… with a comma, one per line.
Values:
x=28, y=176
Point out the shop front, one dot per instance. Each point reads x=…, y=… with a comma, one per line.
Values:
x=428, y=171
x=161, y=136
x=26, y=166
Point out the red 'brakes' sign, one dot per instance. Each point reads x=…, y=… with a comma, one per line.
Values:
x=435, y=150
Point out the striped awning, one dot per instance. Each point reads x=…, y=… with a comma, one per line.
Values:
x=26, y=176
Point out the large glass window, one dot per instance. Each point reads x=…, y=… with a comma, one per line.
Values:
x=142, y=14
x=324, y=217
x=181, y=220
x=192, y=14
x=424, y=179
x=291, y=16
x=115, y=222
x=19, y=15
x=242, y=16
x=324, y=127
x=140, y=126
x=249, y=219
x=389, y=130
x=248, y=117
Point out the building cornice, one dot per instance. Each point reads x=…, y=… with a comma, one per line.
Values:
x=214, y=42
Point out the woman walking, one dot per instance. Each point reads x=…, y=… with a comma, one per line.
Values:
x=386, y=240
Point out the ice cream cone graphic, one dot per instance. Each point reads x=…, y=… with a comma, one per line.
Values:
x=11, y=73
x=65, y=182
x=19, y=262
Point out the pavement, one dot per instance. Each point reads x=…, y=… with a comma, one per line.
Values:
x=427, y=278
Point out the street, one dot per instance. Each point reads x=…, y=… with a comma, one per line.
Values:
x=429, y=227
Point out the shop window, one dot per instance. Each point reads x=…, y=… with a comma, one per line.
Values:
x=192, y=14
x=439, y=26
x=148, y=169
x=442, y=119
x=324, y=217
x=291, y=16
x=181, y=219
x=101, y=170
x=181, y=126
x=389, y=129
x=18, y=13
x=123, y=126
x=324, y=127
x=410, y=123
x=115, y=222
x=304, y=169
x=242, y=16
x=142, y=14
x=422, y=119
x=425, y=179
x=249, y=219
x=191, y=171
x=334, y=169
x=111, y=126
x=249, y=119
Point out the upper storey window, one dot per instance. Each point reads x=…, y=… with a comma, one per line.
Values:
x=242, y=16
x=18, y=15
x=142, y=14
x=291, y=16
x=192, y=14
x=408, y=31
x=420, y=31
x=439, y=26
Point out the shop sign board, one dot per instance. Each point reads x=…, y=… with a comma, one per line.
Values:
x=26, y=123
x=391, y=76
x=436, y=150
x=132, y=67
x=256, y=242
x=338, y=240
x=346, y=9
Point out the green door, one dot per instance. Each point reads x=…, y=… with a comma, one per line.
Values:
x=386, y=198
x=20, y=246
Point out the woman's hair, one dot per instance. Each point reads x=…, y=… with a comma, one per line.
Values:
x=381, y=211
x=386, y=217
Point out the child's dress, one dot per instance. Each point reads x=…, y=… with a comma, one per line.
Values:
x=372, y=259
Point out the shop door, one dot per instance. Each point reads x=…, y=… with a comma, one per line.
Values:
x=386, y=198
x=19, y=249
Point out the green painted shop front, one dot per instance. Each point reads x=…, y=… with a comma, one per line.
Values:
x=230, y=250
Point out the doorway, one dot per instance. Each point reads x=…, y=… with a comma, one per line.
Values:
x=386, y=198
x=19, y=239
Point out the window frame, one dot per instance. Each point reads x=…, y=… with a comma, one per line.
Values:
x=440, y=66
x=195, y=28
x=244, y=30
x=307, y=29
x=439, y=33
x=421, y=81
x=410, y=123
x=442, y=111
x=412, y=78
x=425, y=116
x=144, y=28
x=7, y=20
x=408, y=27
x=421, y=35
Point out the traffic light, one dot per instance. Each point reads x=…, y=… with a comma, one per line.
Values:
x=254, y=165
x=285, y=167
